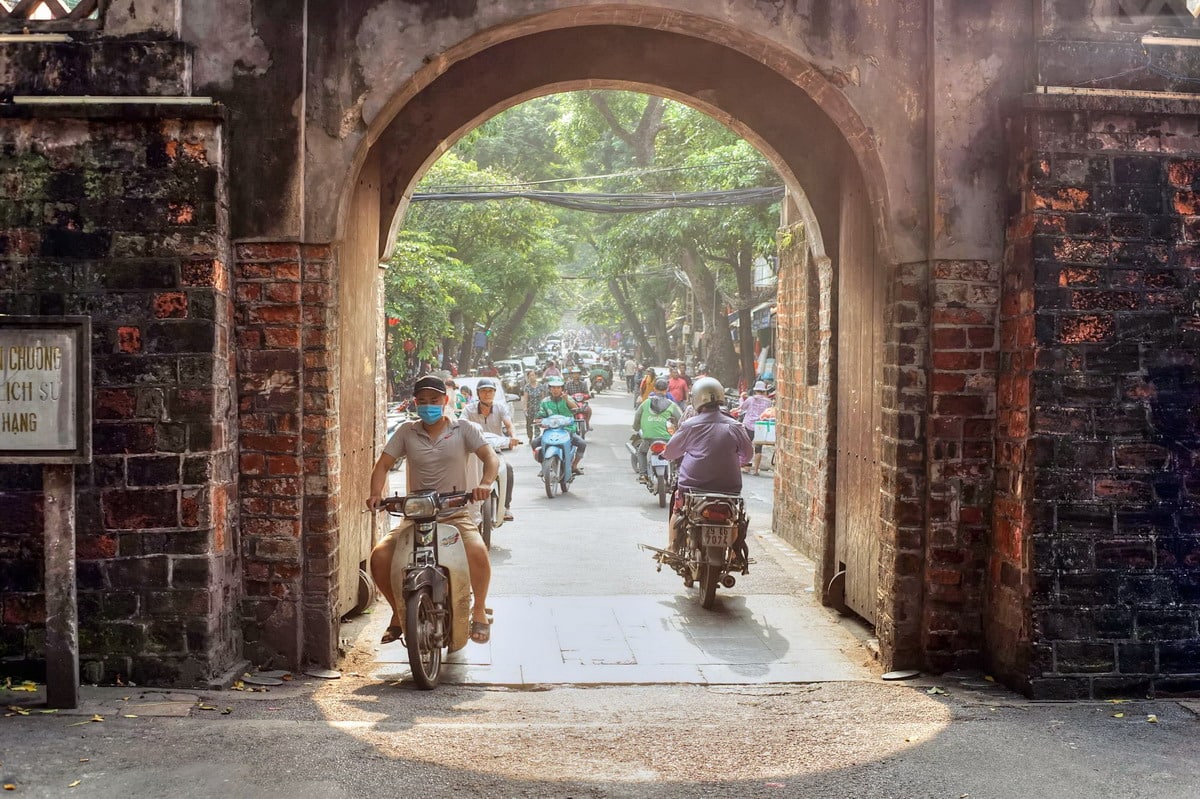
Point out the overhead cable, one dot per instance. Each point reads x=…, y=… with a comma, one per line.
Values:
x=603, y=203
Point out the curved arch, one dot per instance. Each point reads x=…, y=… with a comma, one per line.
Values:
x=686, y=57
x=795, y=189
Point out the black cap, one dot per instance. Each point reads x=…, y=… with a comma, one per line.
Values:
x=431, y=382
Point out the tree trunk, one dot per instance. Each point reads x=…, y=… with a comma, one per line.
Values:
x=631, y=318
x=744, y=272
x=721, y=360
x=448, y=343
x=502, y=342
x=466, y=348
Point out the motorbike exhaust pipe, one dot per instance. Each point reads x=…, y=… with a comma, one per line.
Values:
x=728, y=581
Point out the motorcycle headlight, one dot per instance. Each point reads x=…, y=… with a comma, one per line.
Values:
x=420, y=507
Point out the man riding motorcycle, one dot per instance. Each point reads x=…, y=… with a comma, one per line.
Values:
x=494, y=418
x=713, y=446
x=559, y=404
x=575, y=384
x=651, y=421
x=436, y=447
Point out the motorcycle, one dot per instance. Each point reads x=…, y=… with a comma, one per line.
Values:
x=557, y=454
x=660, y=472
x=580, y=413
x=433, y=585
x=492, y=509
x=708, y=553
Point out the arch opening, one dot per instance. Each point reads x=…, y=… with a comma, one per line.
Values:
x=837, y=197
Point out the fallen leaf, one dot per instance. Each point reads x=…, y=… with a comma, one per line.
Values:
x=238, y=685
x=51, y=710
x=119, y=681
x=19, y=710
x=27, y=686
x=97, y=717
x=989, y=678
x=1153, y=719
x=80, y=723
x=226, y=711
x=8, y=786
x=1118, y=715
x=130, y=716
x=1117, y=701
x=84, y=759
x=206, y=707
x=935, y=690
x=75, y=784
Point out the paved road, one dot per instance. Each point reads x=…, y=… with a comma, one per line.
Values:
x=362, y=736
x=577, y=602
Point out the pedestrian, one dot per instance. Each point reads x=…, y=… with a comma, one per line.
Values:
x=532, y=395
x=630, y=371
x=750, y=411
x=678, y=385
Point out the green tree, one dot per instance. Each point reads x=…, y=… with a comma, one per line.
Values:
x=660, y=145
x=421, y=284
x=511, y=250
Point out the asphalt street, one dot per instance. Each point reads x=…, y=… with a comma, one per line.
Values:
x=585, y=731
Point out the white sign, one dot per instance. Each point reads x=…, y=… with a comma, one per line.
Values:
x=37, y=390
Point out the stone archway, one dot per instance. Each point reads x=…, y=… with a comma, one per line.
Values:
x=810, y=147
x=737, y=77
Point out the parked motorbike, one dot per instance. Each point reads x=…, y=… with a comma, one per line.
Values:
x=580, y=413
x=433, y=584
x=713, y=523
x=492, y=509
x=660, y=472
x=557, y=454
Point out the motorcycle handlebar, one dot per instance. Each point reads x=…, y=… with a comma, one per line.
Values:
x=456, y=499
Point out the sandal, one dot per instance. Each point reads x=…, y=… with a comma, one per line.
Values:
x=392, y=633
x=481, y=632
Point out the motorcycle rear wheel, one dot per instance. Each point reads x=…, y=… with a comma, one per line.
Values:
x=662, y=490
x=552, y=475
x=420, y=636
x=709, y=574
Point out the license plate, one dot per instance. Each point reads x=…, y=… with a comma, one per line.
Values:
x=714, y=536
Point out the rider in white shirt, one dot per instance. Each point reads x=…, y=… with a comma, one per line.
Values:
x=494, y=417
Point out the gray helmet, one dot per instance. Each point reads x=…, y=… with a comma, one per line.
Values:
x=706, y=391
x=661, y=384
x=486, y=382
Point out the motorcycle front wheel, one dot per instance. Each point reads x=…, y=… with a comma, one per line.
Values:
x=420, y=634
x=662, y=490
x=552, y=475
x=709, y=574
x=488, y=519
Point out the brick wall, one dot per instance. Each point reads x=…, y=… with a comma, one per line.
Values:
x=803, y=489
x=904, y=414
x=1110, y=524
x=123, y=220
x=287, y=411
x=959, y=449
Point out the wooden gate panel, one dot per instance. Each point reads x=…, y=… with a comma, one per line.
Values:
x=859, y=360
x=359, y=318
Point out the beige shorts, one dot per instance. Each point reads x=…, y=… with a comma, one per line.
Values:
x=464, y=520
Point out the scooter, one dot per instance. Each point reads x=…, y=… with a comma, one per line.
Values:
x=492, y=509
x=557, y=454
x=433, y=584
x=660, y=472
x=710, y=545
x=580, y=413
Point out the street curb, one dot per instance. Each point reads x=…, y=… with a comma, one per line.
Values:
x=223, y=681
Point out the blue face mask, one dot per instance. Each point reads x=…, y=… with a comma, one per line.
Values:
x=430, y=414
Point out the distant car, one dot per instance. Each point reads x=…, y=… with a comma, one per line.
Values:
x=512, y=375
x=529, y=361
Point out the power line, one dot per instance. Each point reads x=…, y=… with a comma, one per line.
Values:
x=631, y=173
x=603, y=203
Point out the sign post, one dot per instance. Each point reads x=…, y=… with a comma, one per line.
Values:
x=45, y=417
